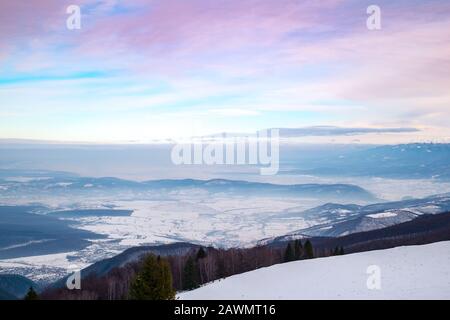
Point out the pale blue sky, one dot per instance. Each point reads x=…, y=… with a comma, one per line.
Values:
x=138, y=71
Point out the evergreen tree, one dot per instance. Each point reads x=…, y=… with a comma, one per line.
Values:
x=31, y=295
x=289, y=254
x=298, y=248
x=221, y=270
x=336, y=251
x=341, y=251
x=309, y=251
x=190, y=275
x=201, y=254
x=153, y=282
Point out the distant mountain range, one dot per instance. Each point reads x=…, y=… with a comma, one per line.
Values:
x=408, y=161
x=66, y=184
x=340, y=191
x=337, y=220
x=337, y=131
x=403, y=161
x=318, y=131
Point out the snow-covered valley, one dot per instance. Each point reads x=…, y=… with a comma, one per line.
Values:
x=218, y=212
x=112, y=221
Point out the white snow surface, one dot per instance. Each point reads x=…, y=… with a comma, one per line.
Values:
x=415, y=272
x=386, y=214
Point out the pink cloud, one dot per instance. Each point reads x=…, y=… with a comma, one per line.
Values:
x=402, y=70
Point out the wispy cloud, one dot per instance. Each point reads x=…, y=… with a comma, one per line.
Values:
x=338, y=131
x=171, y=65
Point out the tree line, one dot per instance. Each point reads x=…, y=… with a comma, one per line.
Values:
x=159, y=278
x=186, y=271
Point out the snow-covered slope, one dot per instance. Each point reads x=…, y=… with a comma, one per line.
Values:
x=336, y=220
x=416, y=272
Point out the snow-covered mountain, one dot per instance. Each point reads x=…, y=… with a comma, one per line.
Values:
x=405, y=161
x=334, y=220
x=87, y=186
x=416, y=272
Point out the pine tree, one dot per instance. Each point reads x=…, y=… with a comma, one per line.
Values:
x=341, y=251
x=336, y=251
x=220, y=265
x=153, y=282
x=309, y=251
x=190, y=275
x=201, y=254
x=298, y=248
x=289, y=254
x=31, y=295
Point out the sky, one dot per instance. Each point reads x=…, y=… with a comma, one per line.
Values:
x=140, y=70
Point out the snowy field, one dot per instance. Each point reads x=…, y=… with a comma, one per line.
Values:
x=416, y=272
x=222, y=220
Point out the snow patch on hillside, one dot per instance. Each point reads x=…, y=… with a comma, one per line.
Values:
x=386, y=214
x=415, y=272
